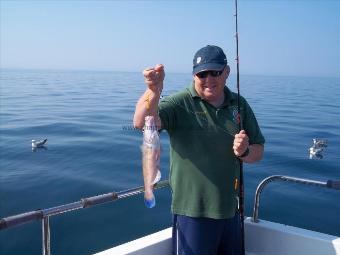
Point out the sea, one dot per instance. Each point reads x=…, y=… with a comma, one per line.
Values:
x=92, y=149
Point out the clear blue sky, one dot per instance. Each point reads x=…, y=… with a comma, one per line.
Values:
x=276, y=37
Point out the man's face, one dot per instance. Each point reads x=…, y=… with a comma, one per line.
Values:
x=209, y=85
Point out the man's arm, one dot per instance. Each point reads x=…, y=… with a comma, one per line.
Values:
x=148, y=102
x=255, y=153
x=247, y=153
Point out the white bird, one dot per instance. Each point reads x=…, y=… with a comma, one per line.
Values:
x=319, y=143
x=316, y=151
x=38, y=144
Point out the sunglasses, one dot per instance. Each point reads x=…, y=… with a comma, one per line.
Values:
x=212, y=73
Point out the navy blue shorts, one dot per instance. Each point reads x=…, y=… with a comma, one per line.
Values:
x=205, y=236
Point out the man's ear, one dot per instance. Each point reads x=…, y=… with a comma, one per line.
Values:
x=227, y=70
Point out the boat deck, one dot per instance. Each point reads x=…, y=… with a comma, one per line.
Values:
x=263, y=238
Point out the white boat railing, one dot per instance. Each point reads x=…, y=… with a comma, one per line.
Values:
x=328, y=184
x=45, y=214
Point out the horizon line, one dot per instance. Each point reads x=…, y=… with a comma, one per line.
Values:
x=170, y=72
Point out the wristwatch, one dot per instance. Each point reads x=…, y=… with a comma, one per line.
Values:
x=245, y=154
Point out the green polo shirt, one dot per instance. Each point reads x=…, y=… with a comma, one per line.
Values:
x=203, y=166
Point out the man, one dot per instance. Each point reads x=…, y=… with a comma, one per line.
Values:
x=205, y=151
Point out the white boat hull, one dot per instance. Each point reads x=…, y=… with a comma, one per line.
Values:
x=263, y=238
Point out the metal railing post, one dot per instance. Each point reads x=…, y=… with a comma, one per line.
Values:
x=46, y=235
x=329, y=184
x=45, y=214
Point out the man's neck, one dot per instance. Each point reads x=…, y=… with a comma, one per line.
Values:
x=217, y=102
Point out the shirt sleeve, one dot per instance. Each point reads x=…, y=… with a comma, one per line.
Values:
x=167, y=113
x=251, y=126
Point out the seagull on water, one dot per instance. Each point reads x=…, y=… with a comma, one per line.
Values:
x=38, y=144
x=319, y=145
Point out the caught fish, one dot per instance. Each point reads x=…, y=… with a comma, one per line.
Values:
x=151, y=150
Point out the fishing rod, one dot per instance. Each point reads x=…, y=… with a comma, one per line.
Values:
x=241, y=187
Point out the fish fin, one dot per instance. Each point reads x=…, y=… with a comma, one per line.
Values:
x=158, y=177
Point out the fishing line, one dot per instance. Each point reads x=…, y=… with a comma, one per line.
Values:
x=147, y=101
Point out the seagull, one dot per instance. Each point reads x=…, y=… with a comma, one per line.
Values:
x=315, y=153
x=38, y=144
x=319, y=143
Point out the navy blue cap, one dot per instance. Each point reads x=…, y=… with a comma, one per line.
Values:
x=209, y=57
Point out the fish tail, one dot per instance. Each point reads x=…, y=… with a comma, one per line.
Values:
x=149, y=199
x=157, y=177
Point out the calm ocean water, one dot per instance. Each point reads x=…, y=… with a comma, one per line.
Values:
x=91, y=149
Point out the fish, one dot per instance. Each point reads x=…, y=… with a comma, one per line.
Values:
x=151, y=151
